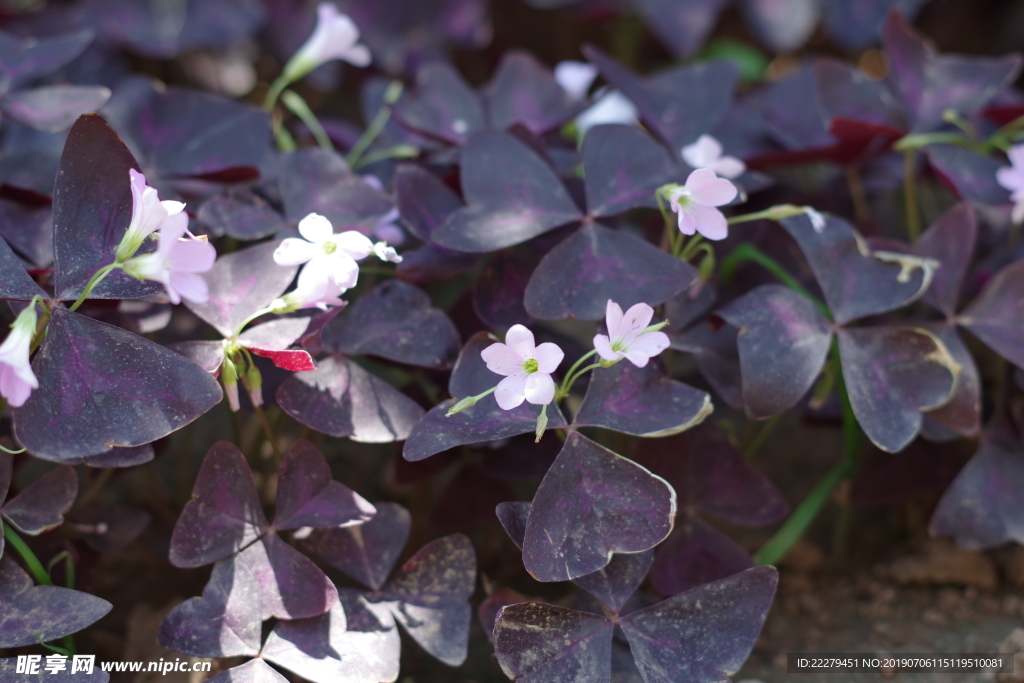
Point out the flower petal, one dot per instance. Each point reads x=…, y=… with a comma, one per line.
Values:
x=548, y=357
x=635, y=321
x=354, y=244
x=604, y=348
x=520, y=340
x=314, y=279
x=1016, y=156
x=575, y=77
x=188, y=286
x=357, y=55
x=647, y=346
x=539, y=389
x=707, y=188
x=294, y=252
x=344, y=271
x=728, y=167
x=316, y=228
x=511, y=392
x=1010, y=178
x=612, y=317
x=702, y=153
x=687, y=222
x=171, y=231
x=710, y=222
x=502, y=359
x=191, y=256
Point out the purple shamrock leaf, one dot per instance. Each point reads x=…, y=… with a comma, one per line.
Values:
x=512, y=196
x=499, y=290
x=25, y=59
x=928, y=83
x=290, y=585
x=892, y=375
x=41, y=613
x=961, y=415
x=641, y=401
x=950, y=240
x=783, y=343
x=92, y=207
x=224, y=622
x=395, y=321
x=181, y=133
x=595, y=264
x=319, y=181
x=340, y=398
x=41, y=506
x=242, y=214
x=524, y=91
x=367, y=552
x=677, y=121
x=110, y=528
x=704, y=634
x=971, y=176
x=856, y=281
x=694, y=554
x=716, y=354
x=148, y=391
x=424, y=203
x=624, y=169
x=53, y=108
x=29, y=228
x=681, y=25
x=429, y=596
x=324, y=649
x=241, y=284
x=485, y=421
x=497, y=597
x=981, y=508
x=782, y=25
x=590, y=504
x=997, y=315
x=224, y=515
x=15, y=282
x=538, y=643
x=614, y=584
x=442, y=105
x=857, y=25
x=307, y=497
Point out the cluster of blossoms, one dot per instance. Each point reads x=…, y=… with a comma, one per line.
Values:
x=527, y=366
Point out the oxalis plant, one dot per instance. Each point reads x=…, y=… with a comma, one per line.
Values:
x=502, y=288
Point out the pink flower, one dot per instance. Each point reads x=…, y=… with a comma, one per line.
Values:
x=1012, y=178
x=335, y=37
x=695, y=204
x=626, y=337
x=148, y=214
x=707, y=153
x=16, y=377
x=177, y=262
x=330, y=259
x=526, y=366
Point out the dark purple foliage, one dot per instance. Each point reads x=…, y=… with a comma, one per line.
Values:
x=593, y=503
x=41, y=506
x=41, y=613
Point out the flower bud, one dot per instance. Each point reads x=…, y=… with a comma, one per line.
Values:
x=254, y=382
x=542, y=424
x=467, y=402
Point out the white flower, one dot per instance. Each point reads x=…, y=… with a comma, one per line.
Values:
x=335, y=37
x=1012, y=178
x=148, y=214
x=626, y=337
x=695, y=204
x=527, y=368
x=707, y=153
x=16, y=377
x=330, y=259
x=575, y=77
x=177, y=262
x=612, y=107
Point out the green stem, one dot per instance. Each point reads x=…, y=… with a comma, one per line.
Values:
x=35, y=567
x=691, y=248
x=396, y=152
x=794, y=527
x=748, y=252
x=96, y=278
x=268, y=431
x=391, y=96
x=562, y=390
x=284, y=140
x=765, y=430
x=572, y=379
x=298, y=106
x=772, y=213
x=910, y=196
x=276, y=88
x=675, y=238
x=909, y=143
